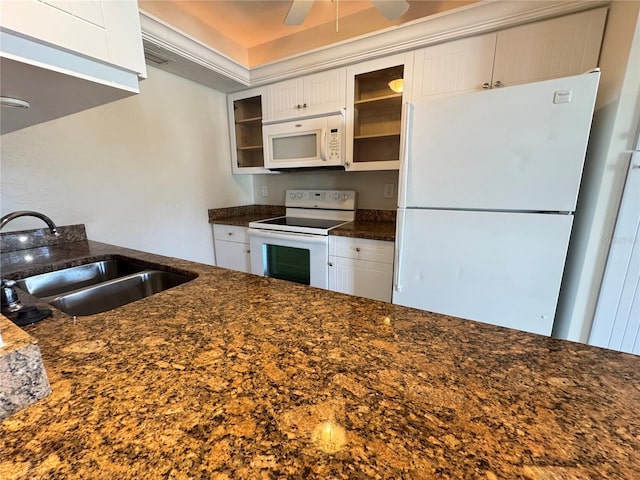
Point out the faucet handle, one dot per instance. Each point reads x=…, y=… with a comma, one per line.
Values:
x=10, y=301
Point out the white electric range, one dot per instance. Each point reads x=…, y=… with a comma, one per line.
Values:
x=295, y=247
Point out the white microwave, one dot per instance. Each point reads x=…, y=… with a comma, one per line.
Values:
x=305, y=143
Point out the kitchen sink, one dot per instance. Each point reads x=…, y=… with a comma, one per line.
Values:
x=100, y=286
x=68, y=279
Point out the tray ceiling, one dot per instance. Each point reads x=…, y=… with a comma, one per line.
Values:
x=252, y=32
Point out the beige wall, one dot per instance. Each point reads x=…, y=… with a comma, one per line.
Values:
x=368, y=185
x=140, y=172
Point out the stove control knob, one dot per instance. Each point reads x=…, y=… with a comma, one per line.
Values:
x=292, y=196
x=299, y=195
x=335, y=195
x=345, y=196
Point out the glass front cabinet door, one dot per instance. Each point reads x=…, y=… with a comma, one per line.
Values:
x=375, y=112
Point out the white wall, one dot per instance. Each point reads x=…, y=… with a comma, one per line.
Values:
x=140, y=172
x=368, y=185
x=613, y=134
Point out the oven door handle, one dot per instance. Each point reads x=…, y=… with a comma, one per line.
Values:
x=268, y=234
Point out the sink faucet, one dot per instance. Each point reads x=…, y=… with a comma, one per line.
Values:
x=27, y=213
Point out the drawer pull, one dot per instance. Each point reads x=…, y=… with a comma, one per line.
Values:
x=229, y=233
x=357, y=249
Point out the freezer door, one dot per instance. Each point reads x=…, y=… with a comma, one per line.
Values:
x=495, y=267
x=514, y=148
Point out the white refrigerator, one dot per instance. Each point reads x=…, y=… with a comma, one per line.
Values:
x=488, y=187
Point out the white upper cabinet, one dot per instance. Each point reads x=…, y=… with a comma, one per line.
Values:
x=315, y=94
x=65, y=56
x=562, y=46
x=554, y=48
x=245, y=128
x=454, y=67
x=559, y=47
x=105, y=30
x=374, y=112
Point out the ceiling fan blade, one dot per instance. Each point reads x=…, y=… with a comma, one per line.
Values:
x=391, y=9
x=298, y=12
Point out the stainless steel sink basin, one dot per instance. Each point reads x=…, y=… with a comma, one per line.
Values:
x=100, y=286
x=115, y=293
x=68, y=279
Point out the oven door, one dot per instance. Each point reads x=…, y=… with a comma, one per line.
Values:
x=297, y=257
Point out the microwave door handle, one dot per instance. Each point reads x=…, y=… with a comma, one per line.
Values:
x=323, y=145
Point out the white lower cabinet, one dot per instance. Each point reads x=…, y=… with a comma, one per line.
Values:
x=231, y=244
x=361, y=267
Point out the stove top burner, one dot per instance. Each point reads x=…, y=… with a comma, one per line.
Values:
x=312, y=212
x=303, y=222
x=316, y=226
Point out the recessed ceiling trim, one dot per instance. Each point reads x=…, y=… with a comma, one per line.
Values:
x=469, y=20
x=157, y=32
x=466, y=21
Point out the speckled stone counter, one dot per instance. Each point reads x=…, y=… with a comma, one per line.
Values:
x=370, y=230
x=235, y=376
x=370, y=224
x=241, y=216
x=23, y=379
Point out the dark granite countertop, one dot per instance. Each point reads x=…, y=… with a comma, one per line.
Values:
x=235, y=376
x=373, y=230
x=369, y=224
x=241, y=216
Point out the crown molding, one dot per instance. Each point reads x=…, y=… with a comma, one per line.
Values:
x=474, y=19
x=163, y=35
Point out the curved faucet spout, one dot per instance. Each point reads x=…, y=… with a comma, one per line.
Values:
x=27, y=213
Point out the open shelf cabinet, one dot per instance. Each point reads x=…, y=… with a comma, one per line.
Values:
x=245, y=113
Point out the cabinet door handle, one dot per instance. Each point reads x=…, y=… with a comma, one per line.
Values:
x=304, y=105
x=498, y=84
x=330, y=264
x=486, y=85
x=298, y=106
x=248, y=251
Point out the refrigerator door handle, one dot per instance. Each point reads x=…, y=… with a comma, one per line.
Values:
x=407, y=111
x=397, y=261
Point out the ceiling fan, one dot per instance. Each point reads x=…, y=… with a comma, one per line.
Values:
x=391, y=9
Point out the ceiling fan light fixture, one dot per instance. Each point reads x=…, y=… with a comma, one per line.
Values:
x=14, y=102
x=298, y=11
x=391, y=9
x=397, y=85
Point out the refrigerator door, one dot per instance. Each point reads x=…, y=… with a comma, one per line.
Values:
x=515, y=148
x=501, y=268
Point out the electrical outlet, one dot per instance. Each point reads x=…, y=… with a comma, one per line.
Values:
x=389, y=189
x=265, y=191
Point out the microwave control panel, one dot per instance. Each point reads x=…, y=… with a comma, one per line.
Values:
x=333, y=144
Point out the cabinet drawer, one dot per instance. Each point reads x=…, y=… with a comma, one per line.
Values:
x=230, y=233
x=361, y=249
